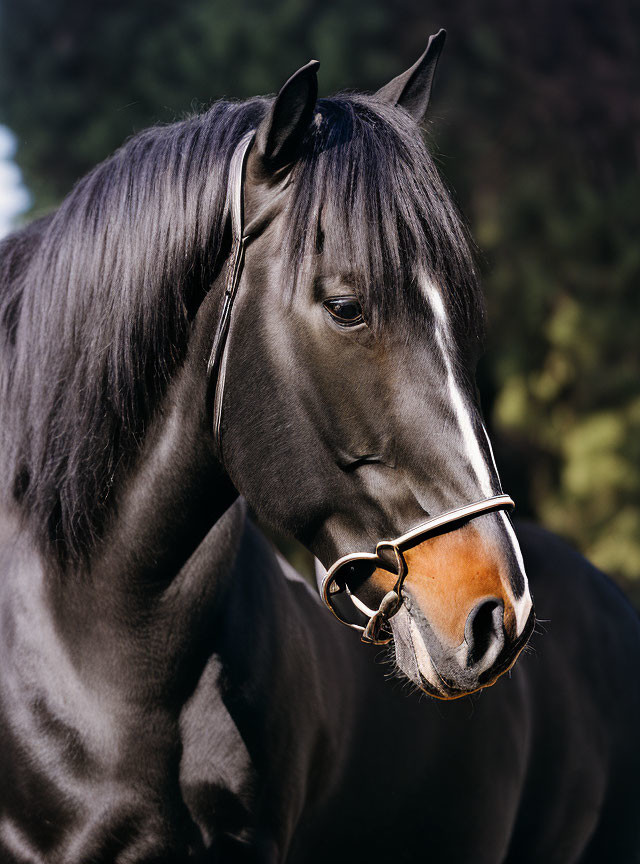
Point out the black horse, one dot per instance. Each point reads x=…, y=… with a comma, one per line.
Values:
x=169, y=690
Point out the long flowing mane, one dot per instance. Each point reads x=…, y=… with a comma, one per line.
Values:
x=96, y=299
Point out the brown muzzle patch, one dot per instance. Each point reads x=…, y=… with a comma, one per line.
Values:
x=448, y=575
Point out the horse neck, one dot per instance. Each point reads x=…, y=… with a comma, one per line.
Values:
x=161, y=571
x=230, y=636
x=145, y=574
x=178, y=583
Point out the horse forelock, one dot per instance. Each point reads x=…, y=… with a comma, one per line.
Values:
x=367, y=186
x=96, y=298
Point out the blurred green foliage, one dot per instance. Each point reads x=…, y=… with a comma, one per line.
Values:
x=536, y=126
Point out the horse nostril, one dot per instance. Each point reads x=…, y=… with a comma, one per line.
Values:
x=484, y=630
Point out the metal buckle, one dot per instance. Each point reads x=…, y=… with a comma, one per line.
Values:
x=374, y=631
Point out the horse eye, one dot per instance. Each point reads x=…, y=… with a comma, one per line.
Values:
x=346, y=310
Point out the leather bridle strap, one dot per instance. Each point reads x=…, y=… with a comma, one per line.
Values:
x=217, y=365
x=392, y=601
x=216, y=372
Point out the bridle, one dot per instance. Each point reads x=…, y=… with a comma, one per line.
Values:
x=389, y=554
x=217, y=365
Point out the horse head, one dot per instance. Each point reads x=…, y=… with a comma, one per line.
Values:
x=343, y=379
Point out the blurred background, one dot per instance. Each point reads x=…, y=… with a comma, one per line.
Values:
x=535, y=124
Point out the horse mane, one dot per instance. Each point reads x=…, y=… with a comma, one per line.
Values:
x=96, y=299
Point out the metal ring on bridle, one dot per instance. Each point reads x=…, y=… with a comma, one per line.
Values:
x=392, y=601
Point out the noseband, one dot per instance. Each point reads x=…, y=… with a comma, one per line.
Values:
x=389, y=554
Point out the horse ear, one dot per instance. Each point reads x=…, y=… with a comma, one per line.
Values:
x=412, y=89
x=279, y=136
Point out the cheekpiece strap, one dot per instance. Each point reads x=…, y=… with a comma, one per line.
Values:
x=217, y=365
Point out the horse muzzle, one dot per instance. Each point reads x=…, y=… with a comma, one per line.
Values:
x=444, y=592
x=349, y=572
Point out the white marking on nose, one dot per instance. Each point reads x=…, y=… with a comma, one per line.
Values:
x=521, y=605
x=423, y=658
x=488, y=440
x=469, y=437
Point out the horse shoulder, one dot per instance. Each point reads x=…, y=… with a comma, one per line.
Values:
x=262, y=733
